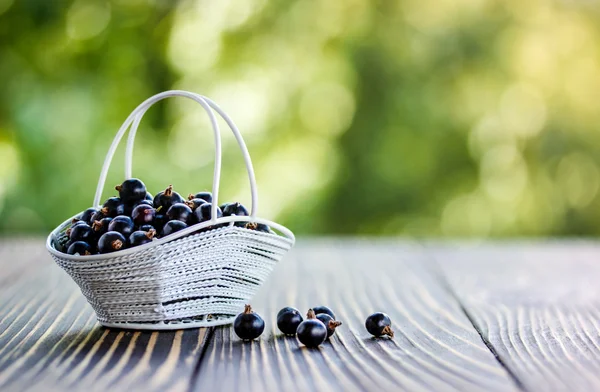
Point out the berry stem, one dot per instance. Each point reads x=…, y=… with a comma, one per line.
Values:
x=97, y=225
x=117, y=244
x=151, y=233
x=191, y=196
x=169, y=191
x=118, y=188
x=311, y=314
x=387, y=330
x=247, y=309
x=333, y=324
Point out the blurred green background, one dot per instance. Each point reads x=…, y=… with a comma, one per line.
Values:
x=427, y=118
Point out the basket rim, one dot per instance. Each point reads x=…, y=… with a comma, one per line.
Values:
x=172, y=237
x=161, y=326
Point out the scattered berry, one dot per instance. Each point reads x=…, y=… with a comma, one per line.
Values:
x=172, y=227
x=80, y=248
x=324, y=309
x=165, y=199
x=149, y=197
x=111, y=241
x=131, y=191
x=179, y=212
x=379, y=324
x=329, y=322
x=143, y=214
x=288, y=320
x=113, y=207
x=122, y=224
x=248, y=325
x=141, y=237
x=311, y=332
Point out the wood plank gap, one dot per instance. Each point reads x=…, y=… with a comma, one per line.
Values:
x=208, y=337
x=437, y=273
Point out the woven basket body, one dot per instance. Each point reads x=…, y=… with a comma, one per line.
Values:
x=196, y=277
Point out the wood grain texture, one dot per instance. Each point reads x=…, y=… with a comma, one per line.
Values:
x=50, y=340
x=537, y=306
x=435, y=348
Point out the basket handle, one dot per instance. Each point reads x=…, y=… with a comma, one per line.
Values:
x=136, y=116
x=234, y=129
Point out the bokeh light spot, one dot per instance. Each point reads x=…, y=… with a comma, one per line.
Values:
x=327, y=108
x=522, y=110
x=578, y=179
x=87, y=19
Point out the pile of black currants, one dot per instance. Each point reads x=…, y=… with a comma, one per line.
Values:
x=320, y=324
x=136, y=217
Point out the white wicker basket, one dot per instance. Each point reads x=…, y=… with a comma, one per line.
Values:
x=188, y=279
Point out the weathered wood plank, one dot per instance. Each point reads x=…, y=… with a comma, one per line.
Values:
x=538, y=306
x=435, y=348
x=50, y=340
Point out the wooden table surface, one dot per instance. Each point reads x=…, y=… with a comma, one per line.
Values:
x=467, y=317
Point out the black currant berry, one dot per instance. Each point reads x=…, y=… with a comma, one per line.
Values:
x=379, y=324
x=143, y=202
x=80, y=232
x=143, y=214
x=149, y=197
x=204, y=212
x=111, y=241
x=146, y=228
x=80, y=248
x=86, y=215
x=248, y=325
x=235, y=209
x=101, y=226
x=311, y=332
x=324, y=309
x=329, y=322
x=165, y=199
x=160, y=220
x=180, y=212
x=98, y=215
x=206, y=196
x=254, y=226
x=76, y=221
x=113, y=207
x=122, y=224
x=172, y=227
x=195, y=203
x=141, y=237
x=288, y=320
x=131, y=191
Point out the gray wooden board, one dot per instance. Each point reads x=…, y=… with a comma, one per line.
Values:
x=537, y=306
x=50, y=340
x=435, y=348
